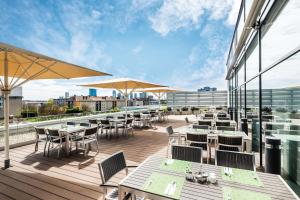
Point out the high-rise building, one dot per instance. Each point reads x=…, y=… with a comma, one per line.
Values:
x=67, y=94
x=114, y=93
x=92, y=92
x=131, y=96
x=119, y=95
x=135, y=95
x=207, y=89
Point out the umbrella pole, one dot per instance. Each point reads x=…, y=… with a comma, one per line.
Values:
x=6, y=92
x=126, y=103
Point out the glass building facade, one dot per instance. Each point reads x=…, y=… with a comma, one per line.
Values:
x=264, y=78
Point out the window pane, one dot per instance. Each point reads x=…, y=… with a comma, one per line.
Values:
x=281, y=94
x=282, y=34
x=252, y=59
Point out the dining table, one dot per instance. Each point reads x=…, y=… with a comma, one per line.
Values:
x=163, y=178
x=67, y=131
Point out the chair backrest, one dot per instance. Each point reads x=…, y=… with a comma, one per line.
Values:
x=218, y=123
x=209, y=115
x=295, y=127
x=111, y=166
x=170, y=130
x=86, y=124
x=223, y=118
x=93, y=121
x=104, y=122
x=232, y=143
x=128, y=115
x=53, y=133
x=109, y=117
x=137, y=115
x=195, y=126
x=187, y=153
x=208, y=123
x=90, y=131
x=235, y=159
x=121, y=117
x=40, y=131
x=221, y=115
x=71, y=123
x=129, y=121
x=200, y=138
x=274, y=126
x=225, y=128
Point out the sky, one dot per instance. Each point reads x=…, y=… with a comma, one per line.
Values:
x=177, y=43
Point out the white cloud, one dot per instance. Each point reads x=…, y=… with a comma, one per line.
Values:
x=176, y=14
x=137, y=49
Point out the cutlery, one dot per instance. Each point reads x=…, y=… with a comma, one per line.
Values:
x=149, y=183
x=173, y=188
x=167, y=190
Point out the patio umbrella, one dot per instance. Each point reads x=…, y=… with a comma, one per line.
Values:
x=159, y=92
x=124, y=85
x=19, y=66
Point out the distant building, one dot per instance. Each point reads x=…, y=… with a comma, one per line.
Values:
x=207, y=89
x=135, y=95
x=131, y=96
x=92, y=92
x=119, y=95
x=67, y=94
x=114, y=93
x=143, y=95
x=15, y=102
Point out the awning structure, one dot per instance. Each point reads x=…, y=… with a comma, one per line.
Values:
x=18, y=66
x=124, y=85
x=159, y=92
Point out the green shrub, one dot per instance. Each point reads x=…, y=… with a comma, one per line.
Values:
x=73, y=110
x=26, y=114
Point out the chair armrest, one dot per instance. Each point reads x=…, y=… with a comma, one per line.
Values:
x=108, y=185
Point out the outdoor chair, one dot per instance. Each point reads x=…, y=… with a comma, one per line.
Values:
x=71, y=123
x=235, y=160
x=89, y=137
x=93, y=122
x=230, y=143
x=210, y=115
x=223, y=118
x=106, y=125
x=85, y=124
x=225, y=128
x=108, y=168
x=127, y=126
x=208, y=123
x=218, y=123
x=41, y=136
x=195, y=126
x=222, y=115
x=187, y=153
x=207, y=118
x=198, y=140
x=56, y=140
x=121, y=117
x=295, y=127
x=274, y=126
x=137, y=119
x=174, y=137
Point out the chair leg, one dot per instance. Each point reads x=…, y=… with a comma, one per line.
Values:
x=97, y=144
x=36, y=146
x=45, y=146
x=49, y=149
x=85, y=150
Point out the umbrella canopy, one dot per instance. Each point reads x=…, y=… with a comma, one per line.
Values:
x=123, y=85
x=17, y=66
x=159, y=92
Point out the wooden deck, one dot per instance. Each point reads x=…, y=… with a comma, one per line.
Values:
x=36, y=177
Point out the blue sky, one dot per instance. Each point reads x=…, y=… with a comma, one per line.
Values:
x=179, y=43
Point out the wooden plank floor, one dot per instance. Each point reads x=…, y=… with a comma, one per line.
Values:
x=36, y=177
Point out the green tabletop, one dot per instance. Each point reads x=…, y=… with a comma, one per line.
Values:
x=242, y=176
x=230, y=193
x=175, y=165
x=165, y=185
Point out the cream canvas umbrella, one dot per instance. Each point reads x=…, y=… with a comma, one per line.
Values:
x=18, y=66
x=159, y=92
x=124, y=85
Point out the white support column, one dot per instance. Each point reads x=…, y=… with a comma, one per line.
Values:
x=6, y=92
